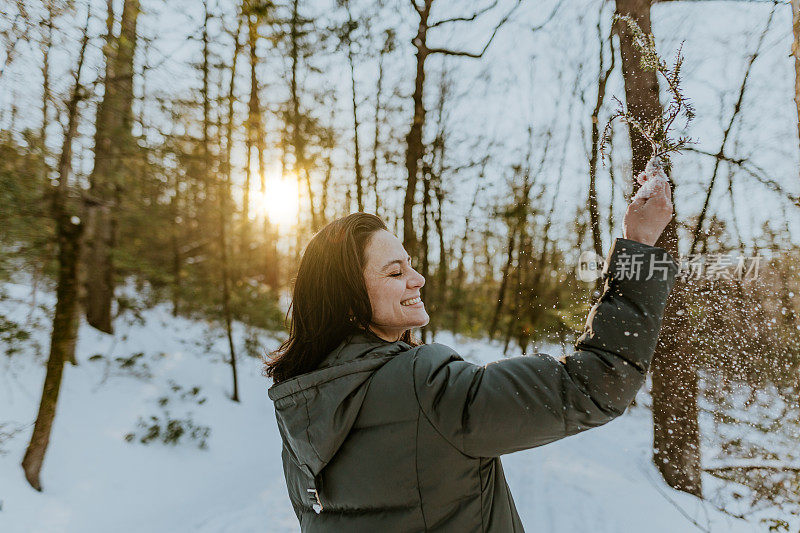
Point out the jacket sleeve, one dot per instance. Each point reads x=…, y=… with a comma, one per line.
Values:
x=527, y=401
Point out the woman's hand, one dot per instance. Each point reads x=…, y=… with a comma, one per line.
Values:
x=646, y=218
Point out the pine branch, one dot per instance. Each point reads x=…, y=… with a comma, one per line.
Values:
x=656, y=131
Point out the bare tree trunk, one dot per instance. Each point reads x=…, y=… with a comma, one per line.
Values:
x=594, y=213
x=676, y=434
x=62, y=344
x=221, y=189
x=251, y=136
x=223, y=195
x=387, y=47
x=524, y=246
x=298, y=135
x=796, y=54
x=257, y=138
x=47, y=44
x=329, y=143
x=248, y=179
x=513, y=323
x=434, y=174
x=414, y=148
x=112, y=140
x=501, y=294
x=613, y=181
x=205, y=70
x=354, y=97
x=66, y=318
x=356, y=146
x=456, y=301
x=326, y=181
x=443, y=267
x=517, y=225
x=426, y=200
x=533, y=286
x=176, y=253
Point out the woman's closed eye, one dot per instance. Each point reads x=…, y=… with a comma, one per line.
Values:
x=396, y=274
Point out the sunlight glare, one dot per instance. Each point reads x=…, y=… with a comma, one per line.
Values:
x=279, y=204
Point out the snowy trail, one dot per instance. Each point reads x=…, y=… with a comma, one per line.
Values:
x=94, y=481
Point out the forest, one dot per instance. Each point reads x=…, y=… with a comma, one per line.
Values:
x=169, y=161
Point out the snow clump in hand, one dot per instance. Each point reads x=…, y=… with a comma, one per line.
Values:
x=652, y=179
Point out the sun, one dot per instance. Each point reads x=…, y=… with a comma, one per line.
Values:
x=280, y=201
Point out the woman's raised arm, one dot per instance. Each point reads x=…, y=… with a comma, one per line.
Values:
x=527, y=401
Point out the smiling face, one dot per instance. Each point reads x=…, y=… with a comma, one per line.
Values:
x=393, y=287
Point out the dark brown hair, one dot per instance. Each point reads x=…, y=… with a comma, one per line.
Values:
x=329, y=300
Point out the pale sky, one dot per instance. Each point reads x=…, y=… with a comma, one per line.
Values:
x=544, y=79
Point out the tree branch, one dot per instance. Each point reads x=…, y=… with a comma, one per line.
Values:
x=776, y=2
x=464, y=19
x=548, y=19
x=749, y=468
x=756, y=172
x=736, y=108
x=486, y=46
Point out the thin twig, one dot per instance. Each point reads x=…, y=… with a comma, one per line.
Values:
x=655, y=131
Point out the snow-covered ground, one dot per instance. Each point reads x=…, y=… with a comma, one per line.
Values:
x=96, y=481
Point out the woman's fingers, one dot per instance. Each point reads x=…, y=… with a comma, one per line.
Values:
x=662, y=197
x=667, y=190
x=668, y=194
x=647, y=217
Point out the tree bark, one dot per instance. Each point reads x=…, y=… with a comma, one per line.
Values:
x=796, y=54
x=501, y=293
x=414, y=146
x=456, y=301
x=613, y=182
x=594, y=213
x=676, y=435
x=253, y=119
x=359, y=174
x=425, y=269
x=112, y=140
x=513, y=325
x=356, y=147
x=257, y=138
x=66, y=318
x=223, y=197
x=176, y=254
x=414, y=138
x=47, y=44
x=388, y=45
x=443, y=267
x=328, y=144
x=62, y=345
x=298, y=135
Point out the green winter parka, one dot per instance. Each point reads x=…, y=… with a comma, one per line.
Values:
x=385, y=437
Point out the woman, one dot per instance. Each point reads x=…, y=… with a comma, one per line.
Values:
x=381, y=434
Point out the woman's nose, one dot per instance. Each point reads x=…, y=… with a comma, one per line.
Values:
x=417, y=281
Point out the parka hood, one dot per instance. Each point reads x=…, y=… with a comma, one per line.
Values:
x=316, y=410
